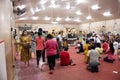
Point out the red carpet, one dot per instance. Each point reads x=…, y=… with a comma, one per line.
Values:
x=77, y=72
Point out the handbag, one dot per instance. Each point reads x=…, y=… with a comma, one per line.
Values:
x=27, y=46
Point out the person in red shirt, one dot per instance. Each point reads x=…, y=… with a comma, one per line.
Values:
x=65, y=58
x=110, y=54
x=39, y=47
x=51, y=51
x=105, y=46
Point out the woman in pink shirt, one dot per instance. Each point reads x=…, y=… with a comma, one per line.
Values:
x=105, y=46
x=51, y=49
x=110, y=57
x=39, y=47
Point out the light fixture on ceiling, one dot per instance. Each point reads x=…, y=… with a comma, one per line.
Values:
x=67, y=6
x=43, y=1
x=95, y=7
x=54, y=6
x=89, y=17
x=63, y=0
x=34, y=18
x=53, y=22
x=21, y=7
x=37, y=10
x=22, y=19
x=107, y=13
x=78, y=12
x=47, y=18
x=77, y=20
x=80, y=1
x=67, y=19
x=43, y=7
x=32, y=11
x=58, y=19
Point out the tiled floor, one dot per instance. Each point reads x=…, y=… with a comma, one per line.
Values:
x=77, y=72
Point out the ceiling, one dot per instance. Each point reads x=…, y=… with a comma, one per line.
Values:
x=40, y=9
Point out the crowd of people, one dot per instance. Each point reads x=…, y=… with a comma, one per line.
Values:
x=54, y=46
x=93, y=46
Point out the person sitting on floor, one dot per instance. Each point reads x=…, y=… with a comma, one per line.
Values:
x=93, y=60
x=65, y=58
x=110, y=57
x=99, y=49
x=79, y=47
x=105, y=46
x=64, y=43
x=86, y=48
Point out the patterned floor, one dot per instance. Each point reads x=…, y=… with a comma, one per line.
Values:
x=107, y=71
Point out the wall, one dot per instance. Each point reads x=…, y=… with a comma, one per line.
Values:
x=49, y=27
x=110, y=26
x=5, y=33
x=3, y=72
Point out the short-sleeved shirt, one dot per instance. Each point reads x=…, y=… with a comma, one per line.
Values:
x=64, y=58
x=51, y=47
x=94, y=55
x=39, y=43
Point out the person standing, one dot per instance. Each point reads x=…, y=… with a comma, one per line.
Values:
x=39, y=47
x=115, y=45
x=44, y=36
x=51, y=49
x=33, y=43
x=25, y=47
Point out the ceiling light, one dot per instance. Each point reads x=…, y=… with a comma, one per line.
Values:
x=21, y=7
x=77, y=20
x=63, y=0
x=43, y=1
x=80, y=1
x=78, y=12
x=43, y=7
x=89, y=17
x=52, y=1
x=95, y=7
x=67, y=19
x=67, y=6
x=58, y=19
x=47, y=18
x=32, y=11
x=54, y=6
x=37, y=10
x=54, y=22
x=22, y=18
x=107, y=14
x=34, y=18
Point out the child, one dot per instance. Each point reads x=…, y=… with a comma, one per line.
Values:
x=65, y=58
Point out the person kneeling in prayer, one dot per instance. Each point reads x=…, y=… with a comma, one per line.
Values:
x=93, y=60
x=65, y=58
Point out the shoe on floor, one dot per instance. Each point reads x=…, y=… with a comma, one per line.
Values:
x=73, y=64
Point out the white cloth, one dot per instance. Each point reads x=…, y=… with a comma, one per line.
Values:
x=60, y=37
x=97, y=40
x=115, y=45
